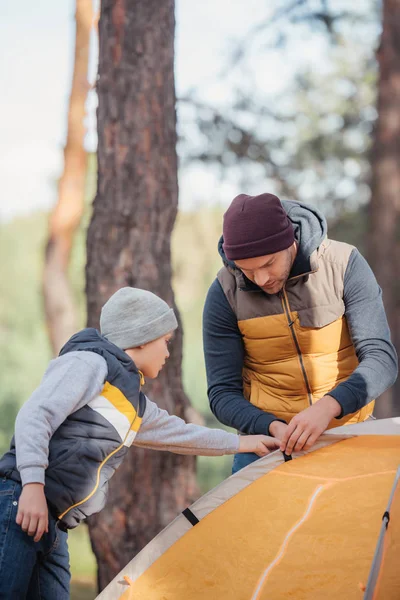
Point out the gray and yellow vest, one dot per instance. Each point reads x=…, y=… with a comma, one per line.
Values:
x=297, y=343
x=88, y=447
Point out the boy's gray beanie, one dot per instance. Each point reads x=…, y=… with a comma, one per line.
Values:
x=132, y=317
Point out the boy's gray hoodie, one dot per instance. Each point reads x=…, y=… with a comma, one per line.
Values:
x=76, y=428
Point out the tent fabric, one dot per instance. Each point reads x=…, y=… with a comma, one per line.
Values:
x=384, y=579
x=303, y=529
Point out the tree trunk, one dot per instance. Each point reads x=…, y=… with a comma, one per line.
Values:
x=384, y=247
x=59, y=305
x=129, y=245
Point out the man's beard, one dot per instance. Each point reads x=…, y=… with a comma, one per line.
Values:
x=275, y=289
x=281, y=282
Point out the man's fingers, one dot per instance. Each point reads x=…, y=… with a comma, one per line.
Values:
x=33, y=523
x=311, y=441
x=292, y=440
x=290, y=428
x=302, y=440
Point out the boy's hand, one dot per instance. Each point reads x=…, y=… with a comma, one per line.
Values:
x=259, y=444
x=306, y=427
x=32, y=510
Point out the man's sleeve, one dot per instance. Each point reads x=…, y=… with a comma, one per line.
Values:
x=224, y=353
x=370, y=335
x=69, y=383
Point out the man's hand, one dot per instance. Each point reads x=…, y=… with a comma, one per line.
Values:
x=306, y=427
x=32, y=510
x=278, y=429
x=259, y=444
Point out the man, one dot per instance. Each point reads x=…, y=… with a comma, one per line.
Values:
x=295, y=334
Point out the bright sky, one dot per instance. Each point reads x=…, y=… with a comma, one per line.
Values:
x=36, y=49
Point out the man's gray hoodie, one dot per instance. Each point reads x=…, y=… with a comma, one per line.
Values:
x=364, y=311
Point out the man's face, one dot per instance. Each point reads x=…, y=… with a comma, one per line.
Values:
x=269, y=272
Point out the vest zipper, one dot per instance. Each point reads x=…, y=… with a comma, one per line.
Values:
x=286, y=307
x=94, y=490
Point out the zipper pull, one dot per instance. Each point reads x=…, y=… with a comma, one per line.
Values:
x=142, y=381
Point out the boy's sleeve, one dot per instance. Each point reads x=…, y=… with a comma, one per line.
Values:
x=162, y=431
x=69, y=383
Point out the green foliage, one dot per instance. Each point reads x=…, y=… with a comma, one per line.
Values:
x=195, y=264
x=82, y=561
x=24, y=347
x=352, y=228
x=81, y=590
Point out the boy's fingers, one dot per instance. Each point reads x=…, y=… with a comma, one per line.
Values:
x=266, y=450
x=33, y=523
x=260, y=449
x=25, y=522
x=38, y=535
x=42, y=527
x=20, y=516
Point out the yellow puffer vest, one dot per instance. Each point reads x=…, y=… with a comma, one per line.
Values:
x=297, y=343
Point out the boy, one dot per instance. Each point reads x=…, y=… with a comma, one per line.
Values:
x=74, y=431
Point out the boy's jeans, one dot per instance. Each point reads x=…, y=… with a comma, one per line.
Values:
x=242, y=460
x=28, y=569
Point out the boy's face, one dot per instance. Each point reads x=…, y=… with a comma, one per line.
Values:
x=151, y=357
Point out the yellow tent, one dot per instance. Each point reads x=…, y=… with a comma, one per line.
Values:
x=324, y=525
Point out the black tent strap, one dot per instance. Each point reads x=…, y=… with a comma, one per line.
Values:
x=191, y=517
x=386, y=516
x=377, y=560
x=287, y=457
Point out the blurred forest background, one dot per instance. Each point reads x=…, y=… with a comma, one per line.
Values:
x=305, y=104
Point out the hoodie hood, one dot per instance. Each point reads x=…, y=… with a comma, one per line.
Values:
x=310, y=229
x=91, y=340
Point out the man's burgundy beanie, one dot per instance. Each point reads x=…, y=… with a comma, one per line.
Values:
x=255, y=226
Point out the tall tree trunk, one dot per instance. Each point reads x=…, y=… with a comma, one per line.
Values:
x=384, y=247
x=129, y=245
x=60, y=312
